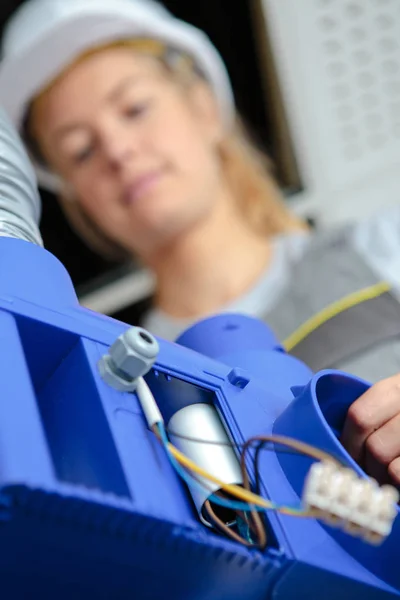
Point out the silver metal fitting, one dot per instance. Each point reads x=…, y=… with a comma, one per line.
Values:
x=131, y=356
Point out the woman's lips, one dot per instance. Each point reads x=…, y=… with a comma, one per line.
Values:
x=141, y=186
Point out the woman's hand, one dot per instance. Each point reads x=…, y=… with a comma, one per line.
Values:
x=371, y=433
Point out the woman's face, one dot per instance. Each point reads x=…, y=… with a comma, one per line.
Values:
x=138, y=151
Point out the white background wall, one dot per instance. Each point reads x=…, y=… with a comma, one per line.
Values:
x=338, y=64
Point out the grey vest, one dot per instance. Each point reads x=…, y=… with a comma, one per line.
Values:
x=363, y=340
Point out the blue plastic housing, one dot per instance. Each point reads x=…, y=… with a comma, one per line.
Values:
x=90, y=506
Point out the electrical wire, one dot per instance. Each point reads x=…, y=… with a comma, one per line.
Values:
x=247, y=495
x=269, y=446
x=306, y=449
x=266, y=444
x=219, y=524
x=244, y=494
x=237, y=491
x=236, y=445
x=257, y=482
x=257, y=522
x=302, y=447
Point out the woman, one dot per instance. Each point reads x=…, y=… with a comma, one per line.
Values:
x=128, y=115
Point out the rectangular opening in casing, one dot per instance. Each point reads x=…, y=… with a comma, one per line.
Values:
x=173, y=395
x=76, y=427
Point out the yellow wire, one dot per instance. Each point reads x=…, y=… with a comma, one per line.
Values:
x=231, y=488
x=332, y=310
x=246, y=495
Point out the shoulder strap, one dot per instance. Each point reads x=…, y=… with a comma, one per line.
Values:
x=334, y=306
x=371, y=322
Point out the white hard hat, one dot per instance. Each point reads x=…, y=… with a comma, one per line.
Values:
x=45, y=36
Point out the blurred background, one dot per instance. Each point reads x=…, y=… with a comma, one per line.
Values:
x=318, y=84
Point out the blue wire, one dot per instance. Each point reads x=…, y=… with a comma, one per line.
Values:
x=243, y=506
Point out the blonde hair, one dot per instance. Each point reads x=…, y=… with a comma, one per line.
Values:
x=247, y=169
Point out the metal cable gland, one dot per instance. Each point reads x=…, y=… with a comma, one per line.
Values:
x=131, y=356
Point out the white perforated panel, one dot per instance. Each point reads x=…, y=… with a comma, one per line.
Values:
x=359, y=55
x=339, y=65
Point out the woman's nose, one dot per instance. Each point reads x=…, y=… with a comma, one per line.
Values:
x=119, y=147
x=118, y=152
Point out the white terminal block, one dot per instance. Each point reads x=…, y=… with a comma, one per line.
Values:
x=339, y=497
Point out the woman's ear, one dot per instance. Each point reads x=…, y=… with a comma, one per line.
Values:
x=207, y=109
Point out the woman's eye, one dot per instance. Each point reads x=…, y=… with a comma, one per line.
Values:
x=83, y=155
x=136, y=110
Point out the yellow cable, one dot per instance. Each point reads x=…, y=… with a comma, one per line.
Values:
x=332, y=310
x=246, y=495
x=231, y=488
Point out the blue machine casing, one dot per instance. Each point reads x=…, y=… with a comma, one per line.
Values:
x=90, y=507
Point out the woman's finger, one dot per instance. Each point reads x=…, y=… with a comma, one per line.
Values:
x=382, y=447
x=369, y=413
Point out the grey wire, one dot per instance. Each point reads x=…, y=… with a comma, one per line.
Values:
x=271, y=447
x=265, y=446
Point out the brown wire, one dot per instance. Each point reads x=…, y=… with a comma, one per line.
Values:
x=297, y=445
x=218, y=524
x=256, y=521
x=258, y=528
x=216, y=521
